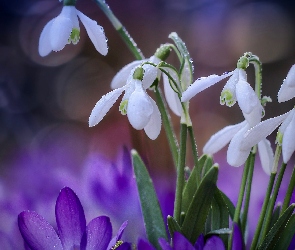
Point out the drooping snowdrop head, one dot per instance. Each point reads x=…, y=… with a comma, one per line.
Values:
x=141, y=110
x=64, y=29
x=287, y=90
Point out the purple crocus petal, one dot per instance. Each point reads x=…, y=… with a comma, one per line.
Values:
x=98, y=234
x=119, y=234
x=237, y=238
x=180, y=242
x=144, y=245
x=125, y=246
x=200, y=243
x=70, y=218
x=214, y=243
x=37, y=232
x=164, y=244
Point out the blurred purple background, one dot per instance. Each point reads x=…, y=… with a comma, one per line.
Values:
x=45, y=102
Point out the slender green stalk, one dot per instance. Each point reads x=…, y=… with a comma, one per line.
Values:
x=263, y=211
x=167, y=126
x=180, y=172
x=194, y=151
x=240, y=199
x=121, y=29
x=248, y=192
x=258, y=74
x=289, y=192
x=271, y=204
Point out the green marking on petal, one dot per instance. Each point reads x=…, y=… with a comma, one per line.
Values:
x=123, y=107
x=226, y=97
x=74, y=36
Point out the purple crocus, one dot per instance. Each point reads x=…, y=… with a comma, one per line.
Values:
x=71, y=224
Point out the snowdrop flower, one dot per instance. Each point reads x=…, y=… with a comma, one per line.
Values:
x=121, y=78
x=234, y=134
x=287, y=90
x=64, y=29
x=141, y=110
x=286, y=133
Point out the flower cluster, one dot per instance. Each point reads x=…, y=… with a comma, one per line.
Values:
x=204, y=217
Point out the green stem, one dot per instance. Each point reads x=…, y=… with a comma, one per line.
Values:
x=240, y=199
x=195, y=152
x=180, y=173
x=272, y=203
x=258, y=74
x=173, y=144
x=248, y=192
x=289, y=192
x=263, y=211
x=121, y=29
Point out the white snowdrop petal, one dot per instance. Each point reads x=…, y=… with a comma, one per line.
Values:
x=150, y=75
x=286, y=92
x=266, y=155
x=202, y=84
x=171, y=97
x=60, y=32
x=44, y=41
x=121, y=77
x=103, y=106
x=221, y=138
x=153, y=128
x=261, y=131
x=254, y=117
x=288, y=145
x=235, y=156
x=140, y=108
x=286, y=121
x=290, y=79
x=246, y=97
x=95, y=33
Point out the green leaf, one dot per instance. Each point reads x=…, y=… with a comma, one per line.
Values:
x=220, y=231
x=276, y=231
x=287, y=235
x=275, y=215
x=173, y=226
x=207, y=165
x=152, y=214
x=229, y=204
x=194, y=221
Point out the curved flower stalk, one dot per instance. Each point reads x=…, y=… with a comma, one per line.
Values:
x=72, y=230
x=287, y=90
x=64, y=29
x=141, y=110
x=121, y=77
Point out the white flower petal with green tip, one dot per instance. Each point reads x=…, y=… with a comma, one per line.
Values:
x=60, y=32
x=222, y=138
x=228, y=93
x=95, y=33
x=171, y=97
x=202, y=84
x=286, y=92
x=44, y=41
x=153, y=128
x=288, y=145
x=104, y=105
x=235, y=156
x=121, y=77
x=261, y=131
x=140, y=108
x=266, y=155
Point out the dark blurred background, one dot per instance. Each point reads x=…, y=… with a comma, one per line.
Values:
x=42, y=99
